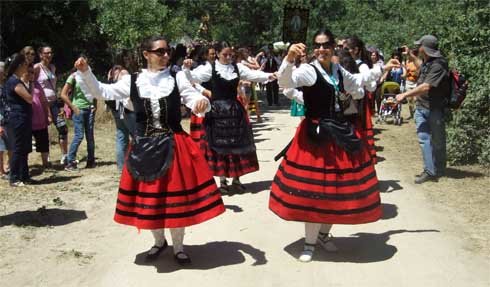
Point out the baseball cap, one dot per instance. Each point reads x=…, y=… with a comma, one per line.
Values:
x=430, y=44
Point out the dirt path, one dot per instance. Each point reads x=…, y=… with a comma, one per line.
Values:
x=62, y=234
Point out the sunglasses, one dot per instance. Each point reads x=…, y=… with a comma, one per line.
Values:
x=160, y=51
x=325, y=45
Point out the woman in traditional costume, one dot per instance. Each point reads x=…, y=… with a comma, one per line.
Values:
x=327, y=175
x=165, y=182
x=228, y=144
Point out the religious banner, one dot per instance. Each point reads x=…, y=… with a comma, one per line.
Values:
x=295, y=24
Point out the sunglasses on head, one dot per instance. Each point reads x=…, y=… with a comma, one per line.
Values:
x=325, y=45
x=160, y=51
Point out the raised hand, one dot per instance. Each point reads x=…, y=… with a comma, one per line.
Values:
x=81, y=64
x=296, y=50
x=392, y=63
x=187, y=63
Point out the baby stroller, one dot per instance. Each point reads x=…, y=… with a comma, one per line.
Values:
x=390, y=108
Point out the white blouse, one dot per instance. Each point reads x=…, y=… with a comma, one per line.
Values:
x=151, y=85
x=203, y=73
x=294, y=94
x=305, y=75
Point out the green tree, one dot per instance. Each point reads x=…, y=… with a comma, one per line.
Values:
x=126, y=22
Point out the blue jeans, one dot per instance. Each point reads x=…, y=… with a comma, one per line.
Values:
x=20, y=135
x=124, y=129
x=431, y=131
x=83, y=124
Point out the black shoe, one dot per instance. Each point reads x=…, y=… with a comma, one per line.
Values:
x=90, y=164
x=237, y=187
x=71, y=167
x=154, y=256
x=425, y=177
x=182, y=258
x=224, y=189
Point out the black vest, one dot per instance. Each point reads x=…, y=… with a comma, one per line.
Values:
x=170, y=116
x=224, y=89
x=320, y=98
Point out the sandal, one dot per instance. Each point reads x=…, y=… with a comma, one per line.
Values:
x=182, y=258
x=153, y=256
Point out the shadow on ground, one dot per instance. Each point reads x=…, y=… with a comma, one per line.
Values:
x=358, y=248
x=390, y=211
x=460, y=174
x=43, y=217
x=389, y=186
x=207, y=256
x=234, y=208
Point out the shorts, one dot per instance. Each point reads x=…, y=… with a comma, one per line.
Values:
x=42, y=140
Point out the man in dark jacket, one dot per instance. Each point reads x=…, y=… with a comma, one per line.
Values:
x=432, y=91
x=271, y=65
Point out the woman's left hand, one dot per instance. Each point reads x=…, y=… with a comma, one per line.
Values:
x=201, y=106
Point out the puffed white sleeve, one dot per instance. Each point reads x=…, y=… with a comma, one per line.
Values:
x=200, y=74
x=354, y=84
x=248, y=74
x=294, y=94
x=95, y=89
x=290, y=77
x=367, y=74
x=190, y=96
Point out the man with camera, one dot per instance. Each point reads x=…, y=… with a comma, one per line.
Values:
x=433, y=87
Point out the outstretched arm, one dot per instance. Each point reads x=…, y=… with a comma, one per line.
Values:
x=95, y=89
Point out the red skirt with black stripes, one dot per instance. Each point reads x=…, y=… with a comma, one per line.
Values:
x=229, y=165
x=197, y=127
x=324, y=184
x=185, y=195
x=368, y=132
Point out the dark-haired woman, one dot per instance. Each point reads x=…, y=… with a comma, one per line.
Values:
x=197, y=122
x=45, y=73
x=327, y=176
x=165, y=182
x=228, y=146
x=362, y=57
x=19, y=122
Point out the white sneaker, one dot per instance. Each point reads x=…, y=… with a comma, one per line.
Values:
x=63, y=159
x=307, y=254
x=326, y=241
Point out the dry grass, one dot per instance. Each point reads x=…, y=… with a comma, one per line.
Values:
x=463, y=194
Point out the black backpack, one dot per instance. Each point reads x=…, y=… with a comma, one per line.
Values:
x=458, y=85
